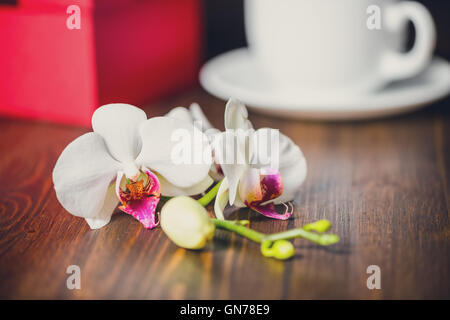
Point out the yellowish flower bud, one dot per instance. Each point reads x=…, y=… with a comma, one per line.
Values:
x=186, y=222
x=280, y=249
x=319, y=226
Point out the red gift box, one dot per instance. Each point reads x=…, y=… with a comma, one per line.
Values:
x=129, y=51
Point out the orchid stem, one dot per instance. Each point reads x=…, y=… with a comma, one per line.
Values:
x=208, y=197
x=165, y=198
x=237, y=227
x=322, y=239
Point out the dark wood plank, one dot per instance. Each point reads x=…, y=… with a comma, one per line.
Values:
x=384, y=184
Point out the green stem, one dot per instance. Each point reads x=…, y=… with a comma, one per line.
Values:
x=235, y=226
x=207, y=198
x=322, y=239
x=165, y=198
x=239, y=229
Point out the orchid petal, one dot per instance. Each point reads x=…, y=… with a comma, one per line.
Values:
x=120, y=183
x=104, y=216
x=156, y=185
x=233, y=174
x=265, y=148
x=195, y=116
x=231, y=152
x=143, y=210
x=170, y=190
x=250, y=187
x=118, y=124
x=180, y=113
x=289, y=151
x=238, y=202
x=83, y=174
x=161, y=143
x=215, y=172
x=293, y=169
x=236, y=115
x=269, y=211
x=221, y=199
x=293, y=176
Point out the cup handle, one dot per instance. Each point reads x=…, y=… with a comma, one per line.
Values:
x=397, y=65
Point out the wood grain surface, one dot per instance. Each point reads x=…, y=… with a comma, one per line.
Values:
x=384, y=184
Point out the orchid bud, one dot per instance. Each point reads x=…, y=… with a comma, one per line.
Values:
x=186, y=222
x=328, y=239
x=280, y=249
x=318, y=226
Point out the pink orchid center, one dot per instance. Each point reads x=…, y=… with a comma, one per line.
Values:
x=259, y=186
x=271, y=184
x=140, y=196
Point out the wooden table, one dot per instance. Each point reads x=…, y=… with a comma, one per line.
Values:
x=384, y=185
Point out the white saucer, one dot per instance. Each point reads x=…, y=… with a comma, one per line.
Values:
x=235, y=74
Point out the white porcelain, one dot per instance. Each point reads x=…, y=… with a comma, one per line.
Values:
x=327, y=44
x=236, y=74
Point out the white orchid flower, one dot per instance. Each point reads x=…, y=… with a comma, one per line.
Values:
x=248, y=183
x=252, y=183
x=127, y=158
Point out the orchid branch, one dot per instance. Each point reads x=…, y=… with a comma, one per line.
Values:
x=276, y=244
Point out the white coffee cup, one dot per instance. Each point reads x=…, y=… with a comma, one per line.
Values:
x=337, y=45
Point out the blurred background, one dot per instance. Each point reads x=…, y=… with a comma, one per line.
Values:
x=225, y=25
x=134, y=51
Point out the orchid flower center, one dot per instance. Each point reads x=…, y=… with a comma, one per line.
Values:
x=257, y=188
x=139, y=195
x=271, y=184
x=136, y=190
x=136, y=184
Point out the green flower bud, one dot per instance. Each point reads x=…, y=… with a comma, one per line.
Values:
x=319, y=226
x=328, y=239
x=280, y=249
x=186, y=222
